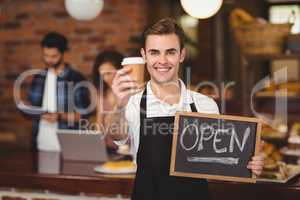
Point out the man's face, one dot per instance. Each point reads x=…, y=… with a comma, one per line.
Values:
x=52, y=57
x=163, y=56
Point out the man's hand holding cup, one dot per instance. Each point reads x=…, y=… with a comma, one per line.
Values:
x=128, y=81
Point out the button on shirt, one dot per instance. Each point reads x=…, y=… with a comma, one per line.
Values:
x=158, y=108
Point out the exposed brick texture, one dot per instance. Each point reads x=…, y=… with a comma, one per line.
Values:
x=24, y=23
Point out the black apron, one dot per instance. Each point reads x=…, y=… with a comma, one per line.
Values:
x=152, y=180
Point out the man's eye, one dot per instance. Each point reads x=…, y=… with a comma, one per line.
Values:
x=172, y=52
x=153, y=53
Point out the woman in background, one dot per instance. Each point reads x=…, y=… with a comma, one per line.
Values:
x=105, y=66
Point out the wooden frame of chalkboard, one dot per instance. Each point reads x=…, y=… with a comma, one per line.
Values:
x=216, y=170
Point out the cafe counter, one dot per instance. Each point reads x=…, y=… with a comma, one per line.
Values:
x=46, y=172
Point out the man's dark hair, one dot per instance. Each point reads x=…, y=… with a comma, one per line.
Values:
x=55, y=40
x=164, y=27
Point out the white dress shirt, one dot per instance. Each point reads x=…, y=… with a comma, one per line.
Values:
x=158, y=108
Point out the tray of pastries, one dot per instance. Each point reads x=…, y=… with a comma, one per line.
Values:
x=275, y=170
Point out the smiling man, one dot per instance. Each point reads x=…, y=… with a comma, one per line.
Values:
x=147, y=116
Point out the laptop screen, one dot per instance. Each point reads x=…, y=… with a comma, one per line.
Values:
x=81, y=145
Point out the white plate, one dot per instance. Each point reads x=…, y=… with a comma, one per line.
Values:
x=290, y=152
x=101, y=169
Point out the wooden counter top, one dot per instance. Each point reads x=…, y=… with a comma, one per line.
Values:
x=42, y=172
x=46, y=171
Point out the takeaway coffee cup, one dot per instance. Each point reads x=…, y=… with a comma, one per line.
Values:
x=137, y=65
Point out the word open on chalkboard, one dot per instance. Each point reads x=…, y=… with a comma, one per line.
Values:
x=214, y=146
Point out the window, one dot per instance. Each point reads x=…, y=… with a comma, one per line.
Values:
x=286, y=13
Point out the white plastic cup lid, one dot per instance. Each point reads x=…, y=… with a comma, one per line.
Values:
x=132, y=61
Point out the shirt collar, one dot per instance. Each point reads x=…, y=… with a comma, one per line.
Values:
x=64, y=72
x=185, y=96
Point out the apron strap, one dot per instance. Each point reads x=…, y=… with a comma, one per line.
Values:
x=193, y=107
x=143, y=106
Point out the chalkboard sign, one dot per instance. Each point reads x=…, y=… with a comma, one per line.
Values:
x=214, y=146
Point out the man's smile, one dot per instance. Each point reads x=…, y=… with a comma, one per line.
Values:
x=162, y=69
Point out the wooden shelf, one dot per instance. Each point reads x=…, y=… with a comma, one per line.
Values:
x=267, y=94
x=248, y=73
x=267, y=57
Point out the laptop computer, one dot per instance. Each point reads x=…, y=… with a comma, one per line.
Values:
x=79, y=145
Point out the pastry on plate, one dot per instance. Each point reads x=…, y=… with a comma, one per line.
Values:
x=119, y=165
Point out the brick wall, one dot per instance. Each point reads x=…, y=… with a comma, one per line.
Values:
x=24, y=23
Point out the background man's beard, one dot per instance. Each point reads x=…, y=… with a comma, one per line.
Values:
x=56, y=65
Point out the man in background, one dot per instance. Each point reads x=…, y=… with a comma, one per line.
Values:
x=54, y=90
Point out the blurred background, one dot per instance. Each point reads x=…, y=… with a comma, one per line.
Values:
x=215, y=50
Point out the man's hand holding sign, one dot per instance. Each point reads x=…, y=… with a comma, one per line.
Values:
x=216, y=147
